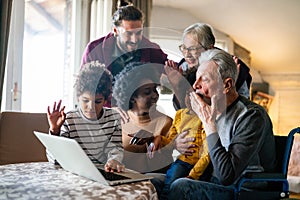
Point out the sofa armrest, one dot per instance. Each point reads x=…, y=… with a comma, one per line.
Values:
x=17, y=141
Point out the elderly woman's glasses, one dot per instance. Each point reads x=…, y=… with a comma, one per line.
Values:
x=192, y=50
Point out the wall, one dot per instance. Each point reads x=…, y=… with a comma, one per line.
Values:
x=285, y=88
x=284, y=110
x=174, y=22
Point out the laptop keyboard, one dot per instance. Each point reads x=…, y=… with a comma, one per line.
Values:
x=112, y=176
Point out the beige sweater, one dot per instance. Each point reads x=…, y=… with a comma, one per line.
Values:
x=135, y=156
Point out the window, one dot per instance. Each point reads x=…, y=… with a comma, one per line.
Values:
x=47, y=38
x=38, y=64
x=46, y=42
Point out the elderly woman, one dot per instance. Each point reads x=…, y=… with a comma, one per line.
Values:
x=196, y=39
x=135, y=92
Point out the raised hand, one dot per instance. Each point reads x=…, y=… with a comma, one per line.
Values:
x=172, y=64
x=206, y=113
x=172, y=72
x=236, y=60
x=56, y=117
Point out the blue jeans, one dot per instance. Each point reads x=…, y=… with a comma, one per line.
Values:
x=177, y=170
x=185, y=188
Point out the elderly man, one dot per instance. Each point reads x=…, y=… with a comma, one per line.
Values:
x=239, y=132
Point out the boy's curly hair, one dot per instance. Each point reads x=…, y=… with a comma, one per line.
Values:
x=130, y=79
x=94, y=78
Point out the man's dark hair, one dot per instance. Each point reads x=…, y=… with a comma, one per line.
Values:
x=124, y=3
x=128, y=13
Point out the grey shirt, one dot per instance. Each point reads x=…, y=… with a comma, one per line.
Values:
x=244, y=142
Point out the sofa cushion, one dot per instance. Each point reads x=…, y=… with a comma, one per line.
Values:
x=294, y=183
x=294, y=169
x=17, y=141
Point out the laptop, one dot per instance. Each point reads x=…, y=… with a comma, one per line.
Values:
x=71, y=157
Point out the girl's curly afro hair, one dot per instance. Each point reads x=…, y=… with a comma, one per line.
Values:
x=131, y=78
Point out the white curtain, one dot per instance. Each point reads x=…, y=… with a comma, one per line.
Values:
x=145, y=7
x=13, y=82
x=5, y=10
x=101, y=13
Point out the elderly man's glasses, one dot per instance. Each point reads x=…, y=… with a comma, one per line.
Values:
x=192, y=50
